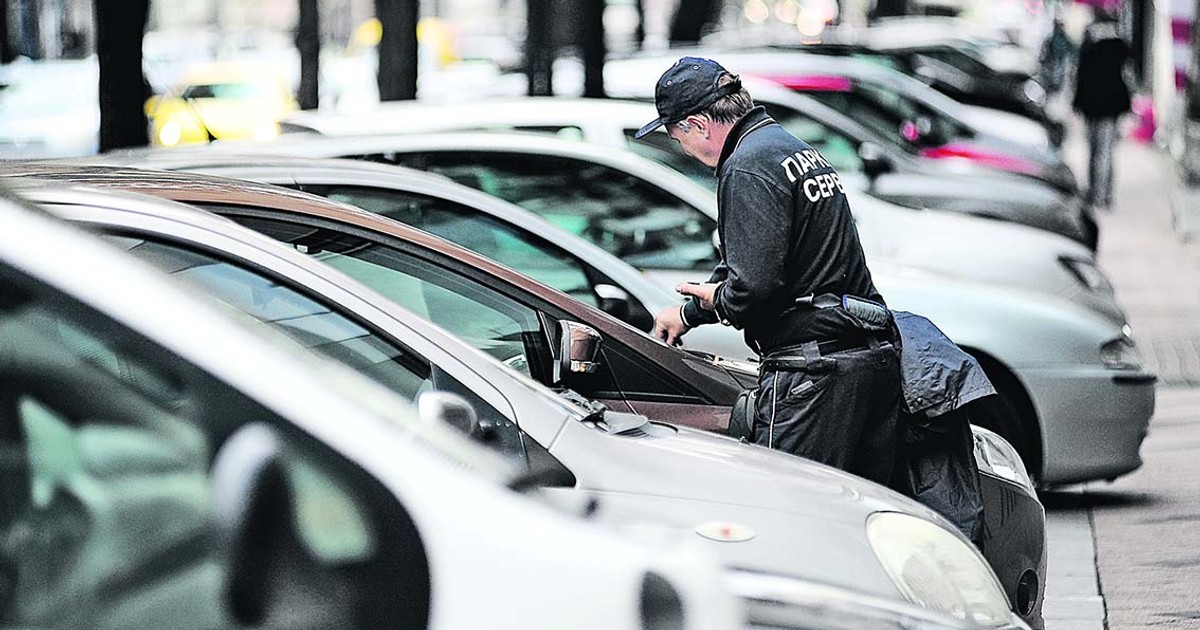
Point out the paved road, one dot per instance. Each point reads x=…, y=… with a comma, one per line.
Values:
x=1125, y=555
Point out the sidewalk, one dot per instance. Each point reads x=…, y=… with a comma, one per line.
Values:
x=1121, y=554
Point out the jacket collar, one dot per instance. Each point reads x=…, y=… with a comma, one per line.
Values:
x=754, y=119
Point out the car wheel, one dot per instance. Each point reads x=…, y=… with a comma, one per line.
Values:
x=1011, y=415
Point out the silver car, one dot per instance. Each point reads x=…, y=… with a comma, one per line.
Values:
x=1059, y=351
x=864, y=159
x=165, y=468
x=747, y=502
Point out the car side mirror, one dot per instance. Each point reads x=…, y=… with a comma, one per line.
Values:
x=613, y=300
x=875, y=162
x=452, y=410
x=578, y=350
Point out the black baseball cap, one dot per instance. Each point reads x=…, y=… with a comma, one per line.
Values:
x=686, y=88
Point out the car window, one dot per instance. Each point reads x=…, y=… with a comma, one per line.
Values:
x=115, y=508
x=318, y=328
x=957, y=59
x=228, y=90
x=837, y=148
x=478, y=232
x=639, y=223
x=305, y=320
x=894, y=115
x=658, y=146
x=505, y=329
x=479, y=314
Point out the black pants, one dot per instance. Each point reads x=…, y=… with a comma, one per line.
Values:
x=842, y=412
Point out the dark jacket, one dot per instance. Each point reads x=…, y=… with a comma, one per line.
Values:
x=786, y=232
x=937, y=376
x=936, y=462
x=1100, y=89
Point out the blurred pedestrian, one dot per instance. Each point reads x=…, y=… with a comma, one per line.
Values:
x=1056, y=62
x=1101, y=96
x=792, y=275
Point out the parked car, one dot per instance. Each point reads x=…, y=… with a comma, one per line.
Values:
x=38, y=119
x=954, y=247
x=165, y=467
x=864, y=160
x=1039, y=349
x=949, y=61
x=670, y=479
x=884, y=100
x=221, y=101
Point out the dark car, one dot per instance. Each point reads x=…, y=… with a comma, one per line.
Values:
x=635, y=372
x=886, y=101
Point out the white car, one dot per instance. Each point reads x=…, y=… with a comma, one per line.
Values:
x=670, y=479
x=166, y=468
x=949, y=244
x=1060, y=353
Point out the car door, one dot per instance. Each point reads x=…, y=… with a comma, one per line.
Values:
x=331, y=331
x=126, y=505
x=503, y=321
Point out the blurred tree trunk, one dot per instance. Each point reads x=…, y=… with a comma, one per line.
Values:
x=592, y=45
x=691, y=17
x=30, y=34
x=539, y=50
x=639, y=36
x=398, y=49
x=120, y=27
x=308, y=42
x=7, y=54
x=888, y=8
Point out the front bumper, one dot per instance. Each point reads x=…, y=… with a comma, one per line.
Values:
x=1093, y=420
x=779, y=602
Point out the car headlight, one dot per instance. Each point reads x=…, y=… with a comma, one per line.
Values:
x=1088, y=274
x=934, y=568
x=1120, y=354
x=1001, y=458
x=170, y=134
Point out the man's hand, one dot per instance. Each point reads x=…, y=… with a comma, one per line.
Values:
x=704, y=293
x=669, y=326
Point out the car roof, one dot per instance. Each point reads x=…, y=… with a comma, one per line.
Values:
x=776, y=61
x=406, y=116
x=362, y=173
x=197, y=188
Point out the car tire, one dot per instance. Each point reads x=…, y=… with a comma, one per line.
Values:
x=1011, y=415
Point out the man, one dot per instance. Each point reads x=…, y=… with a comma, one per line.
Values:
x=792, y=276
x=1101, y=95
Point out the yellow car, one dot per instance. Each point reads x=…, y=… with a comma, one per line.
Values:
x=221, y=101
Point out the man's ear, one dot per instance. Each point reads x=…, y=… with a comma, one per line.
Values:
x=699, y=122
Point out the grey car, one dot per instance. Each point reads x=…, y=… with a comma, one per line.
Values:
x=864, y=159
x=1040, y=346
x=746, y=501
x=164, y=467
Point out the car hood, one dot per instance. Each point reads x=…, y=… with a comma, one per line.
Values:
x=780, y=513
x=968, y=248
x=686, y=464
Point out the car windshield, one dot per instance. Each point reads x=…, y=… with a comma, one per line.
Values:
x=228, y=90
x=619, y=212
x=906, y=122
x=840, y=150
